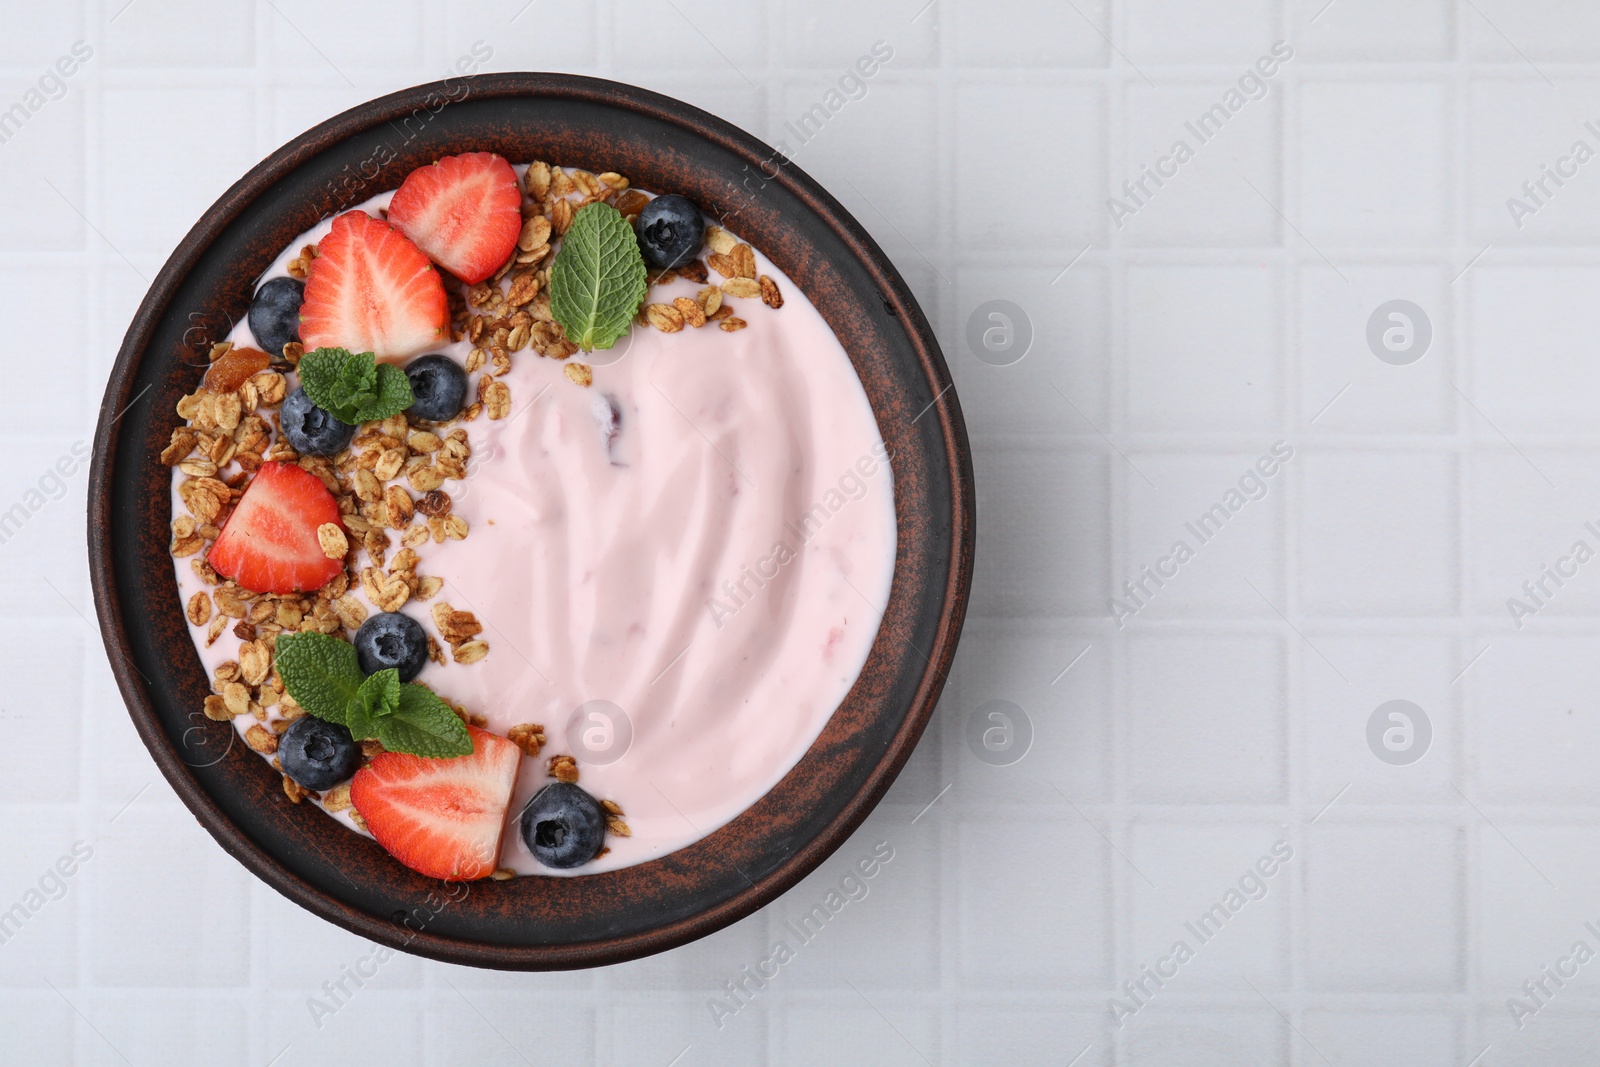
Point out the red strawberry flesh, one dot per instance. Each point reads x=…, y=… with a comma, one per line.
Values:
x=269, y=544
x=441, y=817
x=464, y=211
x=371, y=290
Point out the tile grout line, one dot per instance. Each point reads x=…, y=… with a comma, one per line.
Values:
x=1467, y=845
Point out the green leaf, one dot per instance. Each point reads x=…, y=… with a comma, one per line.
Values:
x=598, y=279
x=320, y=672
x=354, y=388
x=374, y=702
x=392, y=391
x=320, y=373
x=424, y=725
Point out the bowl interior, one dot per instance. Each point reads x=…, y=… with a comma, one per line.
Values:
x=532, y=922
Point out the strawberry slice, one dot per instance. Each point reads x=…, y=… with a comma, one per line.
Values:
x=464, y=211
x=269, y=544
x=440, y=817
x=372, y=290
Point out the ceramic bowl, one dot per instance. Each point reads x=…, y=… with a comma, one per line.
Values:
x=532, y=922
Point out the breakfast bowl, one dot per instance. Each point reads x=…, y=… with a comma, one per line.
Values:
x=249, y=804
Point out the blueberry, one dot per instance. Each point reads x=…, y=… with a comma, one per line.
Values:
x=392, y=639
x=439, y=387
x=608, y=413
x=311, y=430
x=563, y=826
x=275, y=314
x=670, y=230
x=318, y=754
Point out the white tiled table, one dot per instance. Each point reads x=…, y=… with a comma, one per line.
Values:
x=1228, y=313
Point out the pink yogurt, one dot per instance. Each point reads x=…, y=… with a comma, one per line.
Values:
x=695, y=550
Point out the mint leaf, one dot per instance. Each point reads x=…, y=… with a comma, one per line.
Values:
x=424, y=725
x=320, y=373
x=375, y=701
x=320, y=672
x=392, y=392
x=598, y=279
x=358, y=376
x=354, y=388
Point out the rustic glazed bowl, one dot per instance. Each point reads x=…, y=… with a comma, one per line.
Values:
x=532, y=923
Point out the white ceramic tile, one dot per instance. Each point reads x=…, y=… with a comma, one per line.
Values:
x=1528, y=186
x=1529, y=541
x=1373, y=163
x=1219, y=891
x=693, y=34
x=193, y=938
x=49, y=395
x=333, y=39
x=1509, y=30
x=1205, y=348
x=372, y=1025
x=1523, y=699
x=1209, y=526
x=835, y=34
x=1521, y=379
x=294, y=110
x=1062, y=383
x=1049, y=556
x=168, y=36
x=42, y=898
x=1041, y=920
x=1345, y=387
x=1384, y=907
x=1386, y=1038
x=306, y=955
x=41, y=711
x=517, y=36
x=1200, y=163
x=40, y=34
x=1338, y=757
x=1210, y=31
x=1002, y=1034
x=44, y=157
x=152, y=204
x=836, y=1034
x=705, y=963
x=40, y=1026
x=1535, y=904
x=870, y=929
x=458, y=1034
x=1372, y=30
x=1205, y=719
x=1070, y=148
x=1377, y=533
x=153, y=1026
x=828, y=133
x=1061, y=682
x=1561, y=1033
x=1199, y=1039
x=1075, y=35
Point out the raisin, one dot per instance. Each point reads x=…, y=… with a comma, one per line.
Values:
x=235, y=367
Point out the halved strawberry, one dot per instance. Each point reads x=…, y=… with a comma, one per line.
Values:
x=464, y=211
x=371, y=290
x=440, y=817
x=269, y=544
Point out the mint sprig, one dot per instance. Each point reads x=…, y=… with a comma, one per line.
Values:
x=597, y=281
x=324, y=677
x=354, y=387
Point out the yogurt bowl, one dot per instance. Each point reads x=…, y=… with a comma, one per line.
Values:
x=755, y=836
